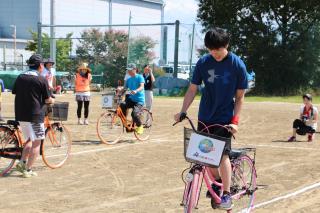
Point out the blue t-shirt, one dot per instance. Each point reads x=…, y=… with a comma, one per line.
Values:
x=133, y=83
x=221, y=80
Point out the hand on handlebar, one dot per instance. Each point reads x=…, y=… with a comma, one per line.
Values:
x=233, y=128
x=180, y=116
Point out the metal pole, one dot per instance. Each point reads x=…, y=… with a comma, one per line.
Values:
x=129, y=29
x=165, y=44
x=39, y=51
x=4, y=55
x=162, y=34
x=191, y=48
x=106, y=25
x=52, y=31
x=14, y=35
x=110, y=14
x=176, y=50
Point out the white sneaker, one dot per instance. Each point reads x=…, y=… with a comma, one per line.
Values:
x=28, y=174
x=80, y=122
x=86, y=122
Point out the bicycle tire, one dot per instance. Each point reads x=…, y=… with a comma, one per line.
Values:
x=7, y=140
x=147, y=120
x=244, y=185
x=109, y=122
x=194, y=192
x=56, y=147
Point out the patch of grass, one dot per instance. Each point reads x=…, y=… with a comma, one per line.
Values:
x=286, y=99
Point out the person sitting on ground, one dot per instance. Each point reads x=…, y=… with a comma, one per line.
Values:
x=136, y=99
x=307, y=124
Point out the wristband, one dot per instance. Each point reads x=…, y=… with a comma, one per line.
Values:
x=235, y=120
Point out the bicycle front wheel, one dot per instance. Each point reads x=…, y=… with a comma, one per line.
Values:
x=146, y=120
x=193, y=196
x=109, y=128
x=56, y=147
x=244, y=185
x=9, y=147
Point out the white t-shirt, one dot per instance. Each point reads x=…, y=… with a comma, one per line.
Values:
x=310, y=116
x=49, y=76
x=126, y=77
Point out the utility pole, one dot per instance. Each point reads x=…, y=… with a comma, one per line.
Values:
x=52, y=31
x=176, y=49
x=162, y=54
x=110, y=14
x=129, y=29
x=191, y=46
x=14, y=36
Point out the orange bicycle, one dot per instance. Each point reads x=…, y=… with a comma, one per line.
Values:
x=112, y=123
x=55, y=148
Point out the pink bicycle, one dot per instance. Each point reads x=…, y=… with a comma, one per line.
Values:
x=243, y=183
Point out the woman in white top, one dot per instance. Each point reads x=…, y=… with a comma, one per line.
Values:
x=307, y=124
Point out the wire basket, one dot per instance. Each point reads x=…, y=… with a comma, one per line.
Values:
x=59, y=111
x=217, y=140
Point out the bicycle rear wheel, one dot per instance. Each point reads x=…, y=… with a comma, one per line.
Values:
x=8, y=147
x=109, y=128
x=146, y=120
x=244, y=186
x=56, y=146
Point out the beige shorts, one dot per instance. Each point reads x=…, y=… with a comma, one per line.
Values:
x=32, y=131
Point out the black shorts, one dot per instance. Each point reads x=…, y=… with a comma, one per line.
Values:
x=219, y=131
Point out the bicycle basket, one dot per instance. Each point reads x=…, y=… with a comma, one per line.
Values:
x=203, y=149
x=59, y=111
x=110, y=100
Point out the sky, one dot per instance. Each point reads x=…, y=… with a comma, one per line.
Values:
x=183, y=10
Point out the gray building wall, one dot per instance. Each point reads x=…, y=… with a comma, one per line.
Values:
x=23, y=14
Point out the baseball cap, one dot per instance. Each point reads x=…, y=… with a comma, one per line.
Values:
x=34, y=60
x=131, y=66
x=307, y=96
x=49, y=60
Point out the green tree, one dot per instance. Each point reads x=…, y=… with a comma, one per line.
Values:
x=279, y=40
x=63, y=46
x=107, y=52
x=141, y=50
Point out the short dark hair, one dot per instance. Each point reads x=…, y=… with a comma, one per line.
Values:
x=216, y=38
x=146, y=65
x=35, y=67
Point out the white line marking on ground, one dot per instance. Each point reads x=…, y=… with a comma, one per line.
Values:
x=300, y=191
x=273, y=146
x=114, y=147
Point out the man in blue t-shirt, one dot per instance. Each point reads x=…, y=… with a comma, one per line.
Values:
x=135, y=100
x=225, y=80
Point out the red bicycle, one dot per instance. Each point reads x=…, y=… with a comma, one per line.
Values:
x=243, y=182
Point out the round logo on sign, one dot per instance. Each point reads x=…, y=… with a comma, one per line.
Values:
x=206, y=146
x=105, y=99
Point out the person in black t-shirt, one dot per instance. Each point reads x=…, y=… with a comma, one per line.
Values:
x=148, y=86
x=32, y=93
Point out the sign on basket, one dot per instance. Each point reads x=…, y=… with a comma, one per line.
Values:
x=107, y=101
x=205, y=150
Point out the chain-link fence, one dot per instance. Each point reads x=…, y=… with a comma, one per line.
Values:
x=170, y=48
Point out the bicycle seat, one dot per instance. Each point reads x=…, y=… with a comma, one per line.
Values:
x=13, y=123
x=235, y=153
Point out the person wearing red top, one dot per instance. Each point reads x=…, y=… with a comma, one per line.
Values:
x=307, y=124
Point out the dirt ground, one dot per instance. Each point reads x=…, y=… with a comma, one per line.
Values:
x=145, y=176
